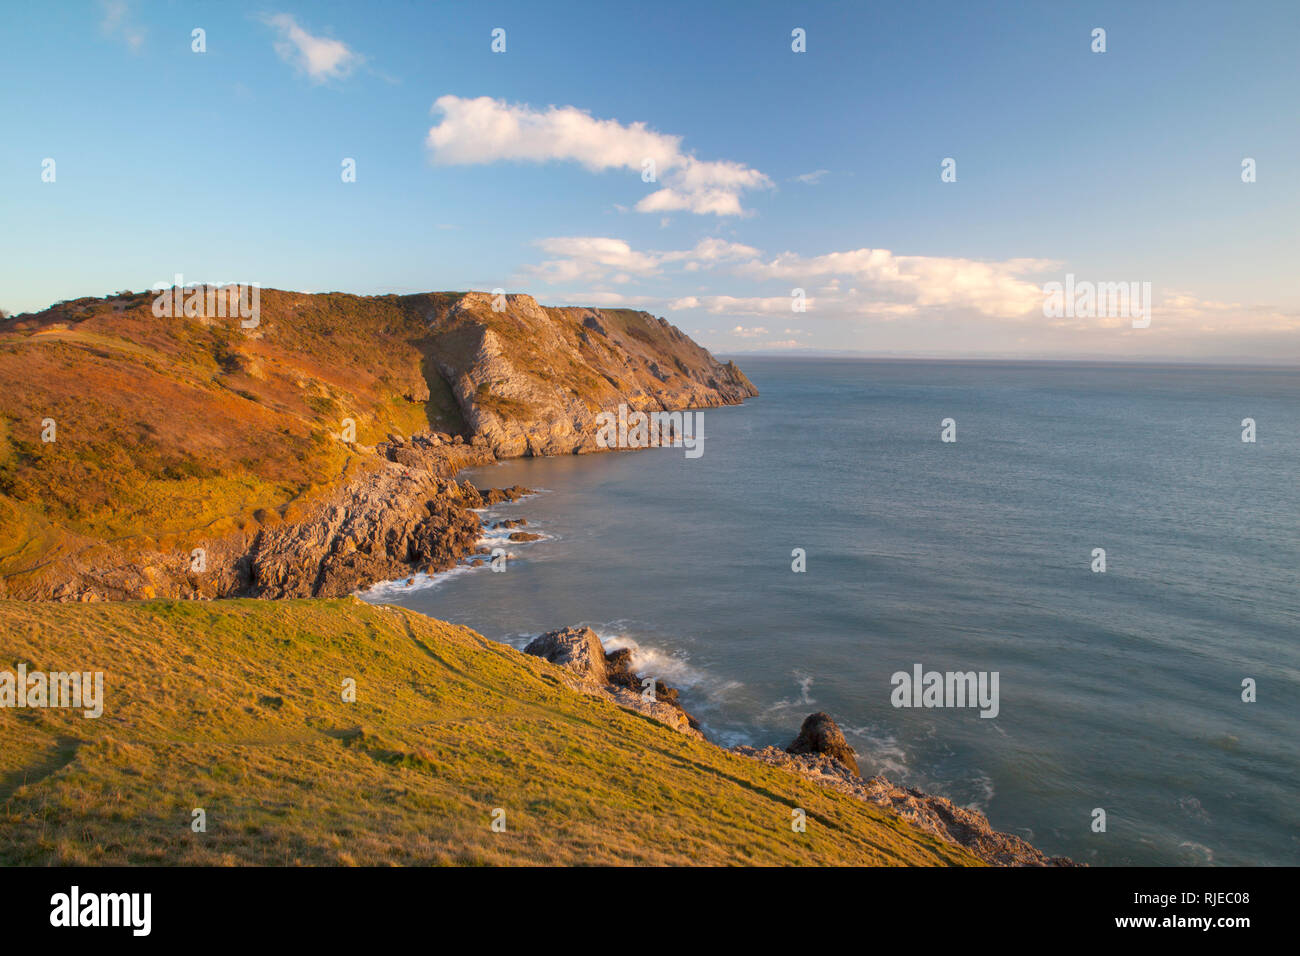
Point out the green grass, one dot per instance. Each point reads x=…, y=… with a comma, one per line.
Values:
x=236, y=707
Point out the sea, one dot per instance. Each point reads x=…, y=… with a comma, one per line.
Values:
x=1098, y=536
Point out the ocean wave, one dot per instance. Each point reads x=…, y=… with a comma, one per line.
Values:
x=384, y=591
x=702, y=691
x=671, y=667
x=805, y=699
x=1196, y=852
x=881, y=753
x=984, y=792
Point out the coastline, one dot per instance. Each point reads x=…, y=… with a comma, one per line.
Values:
x=526, y=382
x=586, y=672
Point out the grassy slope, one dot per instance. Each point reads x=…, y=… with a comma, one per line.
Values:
x=235, y=707
x=167, y=426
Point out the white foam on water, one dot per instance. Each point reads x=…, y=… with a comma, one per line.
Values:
x=671, y=667
x=1197, y=852
x=702, y=691
x=804, y=698
x=985, y=792
x=881, y=752
x=491, y=537
x=384, y=591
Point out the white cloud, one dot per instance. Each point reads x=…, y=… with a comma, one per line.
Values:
x=607, y=300
x=319, y=57
x=752, y=305
x=486, y=130
x=1207, y=315
x=993, y=288
x=117, y=23
x=593, y=258
x=708, y=252
x=810, y=179
x=895, y=301
x=882, y=285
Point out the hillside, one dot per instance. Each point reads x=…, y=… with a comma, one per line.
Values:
x=235, y=707
x=178, y=433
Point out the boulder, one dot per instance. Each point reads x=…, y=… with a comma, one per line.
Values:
x=821, y=735
x=408, y=457
x=575, y=648
x=618, y=669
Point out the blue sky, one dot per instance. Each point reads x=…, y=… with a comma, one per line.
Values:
x=775, y=170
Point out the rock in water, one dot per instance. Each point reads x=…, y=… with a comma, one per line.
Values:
x=821, y=735
x=618, y=669
x=577, y=648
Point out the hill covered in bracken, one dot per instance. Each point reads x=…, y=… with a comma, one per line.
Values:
x=177, y=433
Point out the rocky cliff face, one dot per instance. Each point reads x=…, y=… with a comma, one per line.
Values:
x=280, y=449
x=531, y=380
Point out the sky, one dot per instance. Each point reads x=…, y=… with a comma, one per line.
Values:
x=910, y=182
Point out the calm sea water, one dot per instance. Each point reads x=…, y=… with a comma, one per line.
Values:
x=1120, y=690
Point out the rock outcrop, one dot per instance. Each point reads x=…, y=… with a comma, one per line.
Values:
x=531, y=380
x=578, y=650
x=393, y=514
x=824, y=756
x=821, y=735
x=408, y=515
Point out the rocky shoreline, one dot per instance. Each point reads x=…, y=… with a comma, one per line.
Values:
x=398, y=511
x=932, y=814
x=513, y=381
x=591, y=671
x=405, y=513
x=819, y=753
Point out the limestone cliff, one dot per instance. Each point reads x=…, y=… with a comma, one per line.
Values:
x=532, y=380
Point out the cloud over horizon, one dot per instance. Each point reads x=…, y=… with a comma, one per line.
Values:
x=874, y=290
